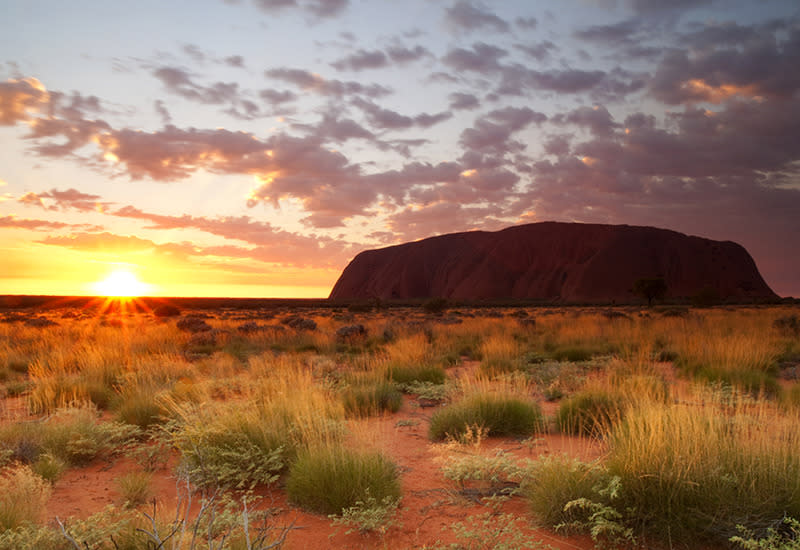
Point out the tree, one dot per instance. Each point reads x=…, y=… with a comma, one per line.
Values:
x=650, y=288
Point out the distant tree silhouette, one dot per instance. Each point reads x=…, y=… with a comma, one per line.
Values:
x=650, y=288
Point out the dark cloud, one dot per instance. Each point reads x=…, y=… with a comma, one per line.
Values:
x=624, y=32
x=460, y=101
x=193, y=51
x=651, y=7
x=275, y=97
x=336, y=129
x=539, y=51
x=234, y=61
x=179, y=82
x=492, y=132
x=387, y=119
x=308, y=81
x=318, y=8
x=597, y=119
x=526, y=23
x=469, y=16
x=162, y=111
x=762, y=65
x=326, y=8
x=402, y=54
x=482, y=58
x=361, y=60
x=516, y=79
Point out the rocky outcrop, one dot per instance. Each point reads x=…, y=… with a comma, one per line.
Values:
x=567, y=262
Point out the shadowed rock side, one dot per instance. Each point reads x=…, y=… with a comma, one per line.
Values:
x=569, y=262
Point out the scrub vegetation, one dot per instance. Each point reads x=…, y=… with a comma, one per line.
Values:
x=691, y=416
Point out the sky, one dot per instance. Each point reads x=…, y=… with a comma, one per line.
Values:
x=252, y=148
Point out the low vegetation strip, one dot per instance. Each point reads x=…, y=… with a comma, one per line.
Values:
x=693, y=414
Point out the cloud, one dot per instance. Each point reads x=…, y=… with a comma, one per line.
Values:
x=34, y=225
x=402, y=54
x=723, y=68
x=234, y=61
x=526, y=23
x=597, y=119
x=386, y=119
x=483, y=58
x=656, y=7
x=318, y=8
x=492, y=132
x=461, y=101
x=516, y=79
x=64, y=200
x=20, y=97
x=539, y=51
x=179, y=82
x=361, y=60
x=311, y=82
x=469, y=16
x=273, y=245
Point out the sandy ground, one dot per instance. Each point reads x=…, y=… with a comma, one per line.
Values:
x=431, y=504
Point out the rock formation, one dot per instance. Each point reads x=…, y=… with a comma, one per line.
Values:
x=566, y=262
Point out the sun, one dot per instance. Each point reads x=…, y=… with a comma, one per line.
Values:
x=121, y=284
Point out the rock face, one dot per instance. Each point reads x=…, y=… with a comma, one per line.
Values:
x=568, y=262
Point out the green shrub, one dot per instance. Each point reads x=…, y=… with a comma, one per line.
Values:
x=366, y=398
x=497, y=413
x=140, y=407
x=406, y=374
x=695, y=473
x=328, y=479
x=784, y=536
x=369, y=515
x=49, y=467
x=589, y=412
x=73, y=436
x=135, y=488
x=228, y=456
x=554, y=481
x=573, y=354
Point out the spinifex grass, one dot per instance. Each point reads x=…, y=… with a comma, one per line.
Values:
x=694, y=473
x=23, y=496
x=732, y=348
x=73, y=436
x=500, y=354
x=500, y=408
x=369, y=395
x=329, y=478
x=245, y=442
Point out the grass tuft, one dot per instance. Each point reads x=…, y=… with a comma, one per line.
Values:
x=329, y=479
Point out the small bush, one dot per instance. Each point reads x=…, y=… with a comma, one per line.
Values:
x=573, y=354
x=499, y=414
x=135, y=488
x=140, y=407
x=49, y=467
x=328, y=479
x=554, y=481
x=695, y=474
x=23, y=496
x=369, y=515
x=406, y=374
x=590, y=412
x=366, y=398
x=436, y=306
